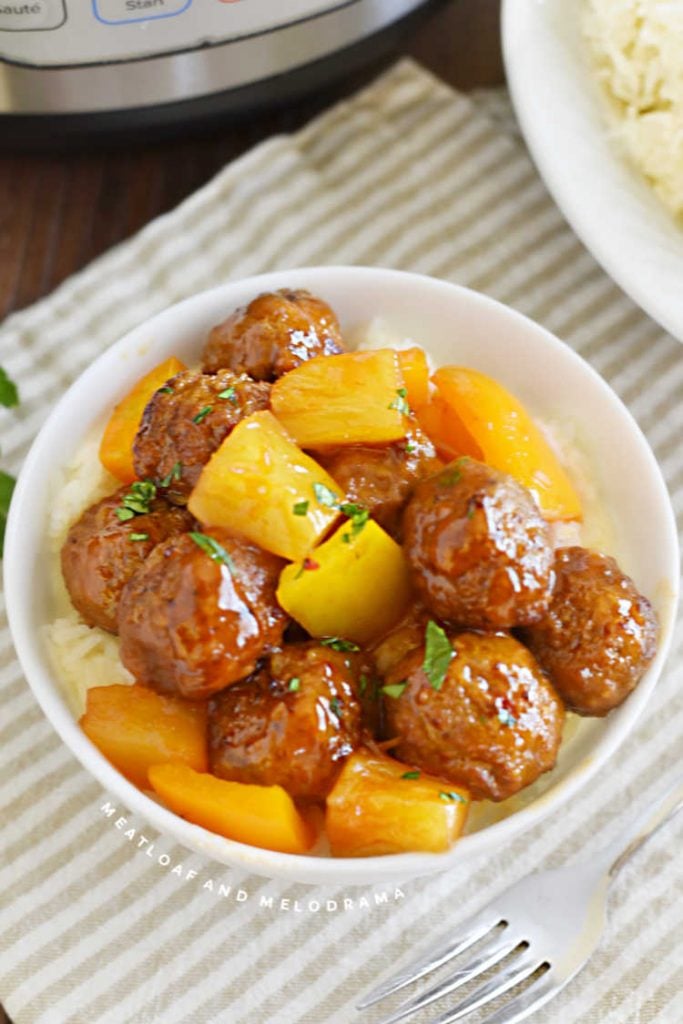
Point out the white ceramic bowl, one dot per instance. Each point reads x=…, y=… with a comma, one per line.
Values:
x=609, y=205
x=455, y=325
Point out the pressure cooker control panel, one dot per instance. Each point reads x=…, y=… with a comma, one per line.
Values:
x=63, y=33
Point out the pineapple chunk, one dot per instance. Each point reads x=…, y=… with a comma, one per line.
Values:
x=355, y=585
x=353, y=398
x=380, y=806
x=261, y=485
x=134, y=728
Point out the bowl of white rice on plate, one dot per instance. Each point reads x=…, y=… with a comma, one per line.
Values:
x=597, y=86
x=623, y=495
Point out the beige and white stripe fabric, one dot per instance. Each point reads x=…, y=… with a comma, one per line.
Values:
x=99, y=928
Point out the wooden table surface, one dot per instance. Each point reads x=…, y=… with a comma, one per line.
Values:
x=59, y=211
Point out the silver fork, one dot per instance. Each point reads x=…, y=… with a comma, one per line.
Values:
x=547, y=925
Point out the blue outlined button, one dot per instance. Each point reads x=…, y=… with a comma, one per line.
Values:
x=123, y=12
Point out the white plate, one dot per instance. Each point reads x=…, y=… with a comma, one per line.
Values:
x=609, y=205
x=455, y=325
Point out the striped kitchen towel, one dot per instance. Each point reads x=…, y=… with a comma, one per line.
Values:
x=102, y=924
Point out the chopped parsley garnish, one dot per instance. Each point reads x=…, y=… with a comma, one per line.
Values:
x=410, y=448
x=138, y=500
x=294, y=684
x=335, y=707
x=358, y=516
x=505, y=718
x=202, y=414
x=438, y=654
x=7, y=483
x=166, y=390
x=450, y=476
x=325, y=496
x=175, y=474
x=300, y=508
x=451, y=797
x=139, y=536
x=9, y=393
x=363, y=684
x=394, y=689
x=399, y=403
x=229, y=395
x=213, y=549
x=411, y=775
x=337, y=643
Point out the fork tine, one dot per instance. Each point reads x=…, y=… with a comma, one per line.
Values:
x=532, y=999
x=520, y=969
x=494, y=950
x=473, y=929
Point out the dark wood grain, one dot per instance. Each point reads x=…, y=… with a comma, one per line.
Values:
x=57, y=212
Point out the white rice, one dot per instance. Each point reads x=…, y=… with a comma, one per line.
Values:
x=637, y=46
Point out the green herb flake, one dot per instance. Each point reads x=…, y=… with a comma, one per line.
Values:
x=410, y=448
x=294, y=684
x=438, y=654
x=325, y=496
x=175, y=474
x=139, y=536
x=137, y=501
x=399, y=403
x=213, y=549
x=166, y=390
x=363, y=684
x=9, y=393
x=335, y=707
x=359, y=517
x=337, y=643
x=229, y=395
x=7, y=483
x=411, y=775
x=300, y=508
x=450, y=477
x=394, y=689
x=451, y=797
x=202, y=414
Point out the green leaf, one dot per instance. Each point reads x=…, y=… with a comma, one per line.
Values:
x=339, y=644
x=294, y=684
x=411, y=775
x=175, y=474
x=202, y=414
x=300, y=508
x=139, y=536
x=213, y=549
x=7, y=483
x=9, y=393
x=137, y=501
x=394, y=689
x=399, y=403
x=438, y=654
x=451, y=797
x=229, y=395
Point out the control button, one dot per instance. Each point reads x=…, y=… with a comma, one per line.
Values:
x=120, y=12
x=33, y=16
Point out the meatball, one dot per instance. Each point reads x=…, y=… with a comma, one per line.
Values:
x=599, y=634
x=273, y=334
x=102, y=551
x=292, y=724
x=382, y=479
x=199, y=613
x=478, y=547
x=186, y=421
x=494, y=725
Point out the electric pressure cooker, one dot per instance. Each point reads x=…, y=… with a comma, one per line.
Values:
x=100, y=62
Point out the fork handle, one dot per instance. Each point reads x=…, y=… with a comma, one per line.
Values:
x=645, y=826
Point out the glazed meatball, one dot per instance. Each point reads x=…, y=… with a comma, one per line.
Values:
x=478, y=547
x=273, y=334
x=494, y=725
x=382, y=479
x=102, y=551
x=199, y=613
x=292, y=724
x=599, y=634
x=186, y=421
